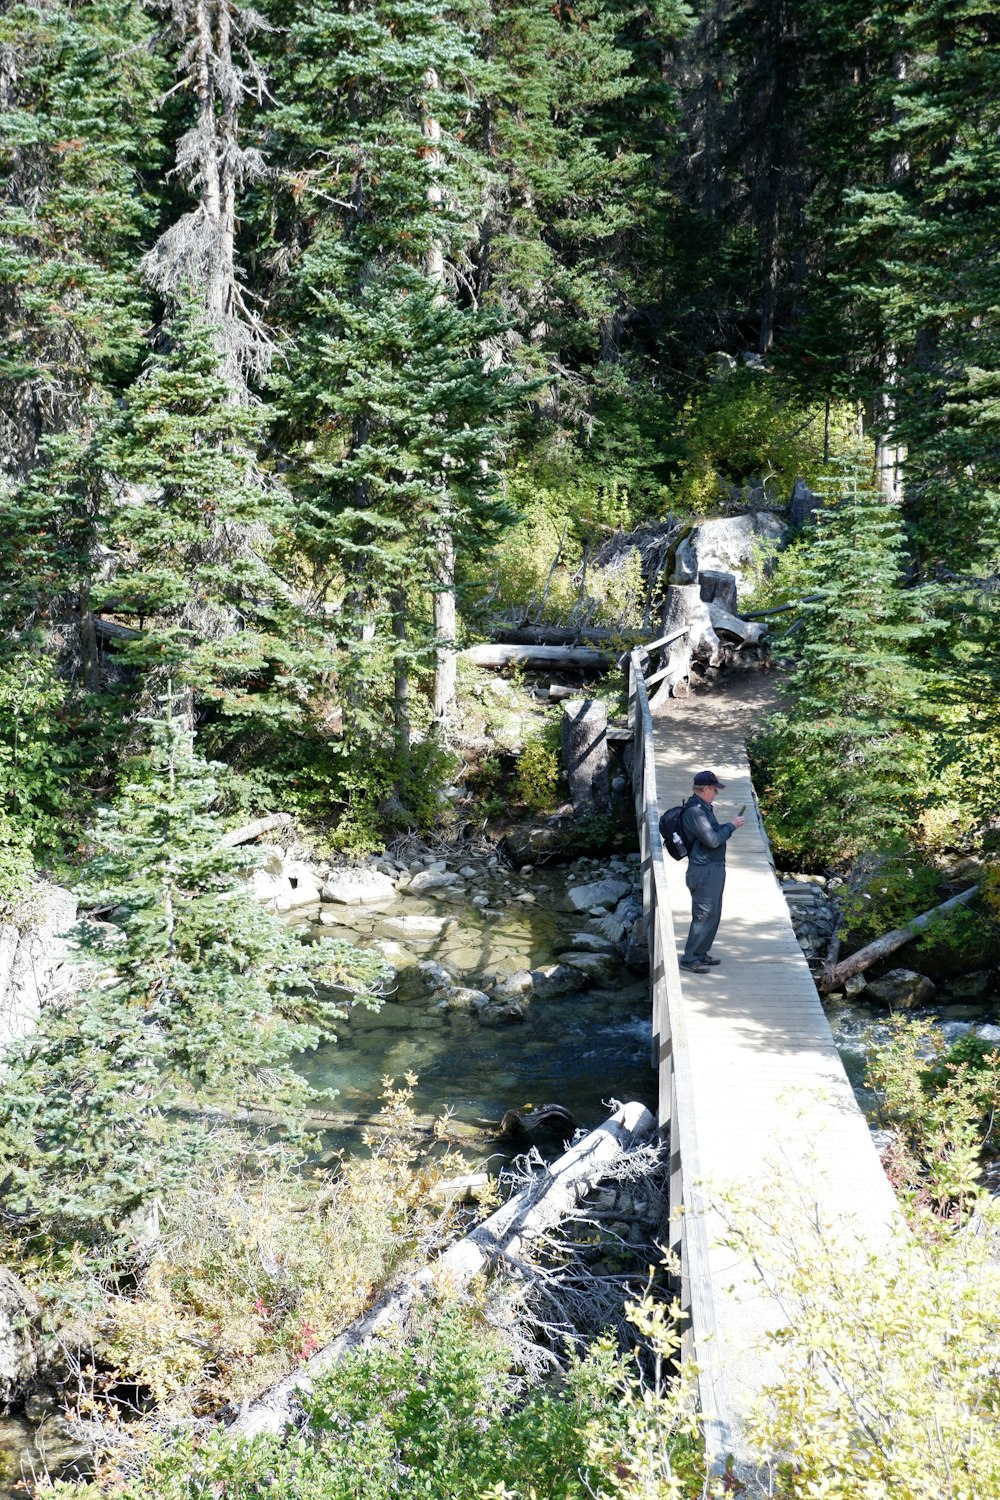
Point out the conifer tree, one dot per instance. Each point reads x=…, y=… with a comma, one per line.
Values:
x=849, y=751
x=194, y=995
x=192, y=530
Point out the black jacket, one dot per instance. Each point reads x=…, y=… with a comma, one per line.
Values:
x=704, y=835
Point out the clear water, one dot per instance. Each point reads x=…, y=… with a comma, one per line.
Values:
x=579, y=1051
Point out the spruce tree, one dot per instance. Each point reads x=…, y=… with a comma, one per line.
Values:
x=849, y=753
x=192, y=530
x=192, y=996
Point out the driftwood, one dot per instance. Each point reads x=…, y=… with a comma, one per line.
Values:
x=747, y=632
x=781, y=609
x=530, y=1213
x=456, y=1133
x=539, y=656
x=833, y=975
x=110, y=630
x=250, y=831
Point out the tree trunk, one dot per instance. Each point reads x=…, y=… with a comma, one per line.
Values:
x=686, y=617
x=537, y=656
x=401, y=683
x=833, y=975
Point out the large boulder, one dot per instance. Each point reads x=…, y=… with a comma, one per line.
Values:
x=18, y=1356
x=900, y=989
x=359, y=888
x=604, y=893
x=728, y=545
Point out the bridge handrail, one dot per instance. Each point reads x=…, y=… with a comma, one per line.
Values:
x=688, y=1207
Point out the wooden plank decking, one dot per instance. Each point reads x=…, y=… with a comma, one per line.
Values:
x=770, y=1106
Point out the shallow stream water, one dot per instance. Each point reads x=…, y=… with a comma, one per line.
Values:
x=577, y=1050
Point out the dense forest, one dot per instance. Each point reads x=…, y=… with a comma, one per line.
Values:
x=330, y=332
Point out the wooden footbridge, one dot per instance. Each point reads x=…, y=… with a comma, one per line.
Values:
x=751, y=1085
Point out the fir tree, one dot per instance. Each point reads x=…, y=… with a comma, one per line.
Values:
x=193, y=529
x=849, y=752
x=194, y=995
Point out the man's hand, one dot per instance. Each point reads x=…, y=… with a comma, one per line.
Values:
x=738, y=821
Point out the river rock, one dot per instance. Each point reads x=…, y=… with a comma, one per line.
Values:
x=415, y=925
x=585, y=942
x=521, y=982
x=552, y=980
x=430, y=880
x=602, y=893
x=596, y=966
x=359, y=888
x=273, y=889
x=501, y=1013
x=901, y=989
x=305, y=888
x=18, y=1357
x=966, y=989
x=989, y=1034
x=466, y=1001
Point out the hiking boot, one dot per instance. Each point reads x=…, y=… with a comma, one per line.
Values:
x=694, y=965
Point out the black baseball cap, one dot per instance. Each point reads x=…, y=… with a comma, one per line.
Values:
x=709, y=778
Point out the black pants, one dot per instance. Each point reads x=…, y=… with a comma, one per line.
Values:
x=706, y=884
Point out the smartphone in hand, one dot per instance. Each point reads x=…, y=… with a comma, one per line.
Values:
x=742, y=811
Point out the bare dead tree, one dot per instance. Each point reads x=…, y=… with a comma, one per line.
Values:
x=198, y=252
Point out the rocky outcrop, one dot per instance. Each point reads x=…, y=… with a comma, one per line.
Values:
x=36, y=959
x=18, y=1355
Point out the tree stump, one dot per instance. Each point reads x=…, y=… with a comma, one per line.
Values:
x=685, y=610
x=718, y=588
x=585, y=754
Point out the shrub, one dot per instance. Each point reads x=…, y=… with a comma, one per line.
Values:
x=743, y=425
x=536, y=780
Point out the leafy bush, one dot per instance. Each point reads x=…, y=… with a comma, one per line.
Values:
x=942, y=1105
x=744, y=425
x=889, y=1380
x=447, y=1416
x=536, y=780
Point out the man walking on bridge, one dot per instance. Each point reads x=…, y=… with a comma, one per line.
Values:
x=706, y=839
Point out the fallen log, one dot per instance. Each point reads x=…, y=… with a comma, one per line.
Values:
x=566, y=656
x=834, y=975
x=531, y=1212
x=562, y=635
x=250, y=831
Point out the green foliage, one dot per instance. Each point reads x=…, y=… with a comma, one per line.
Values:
x=36, y=755
x=844, y=768
x=745, y=425
x=889, y=1386
x=942, y=1104
x=536, y=779
x=197, y=996
x=446, y=1416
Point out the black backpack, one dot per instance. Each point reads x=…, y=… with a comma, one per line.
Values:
x=672, y=833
